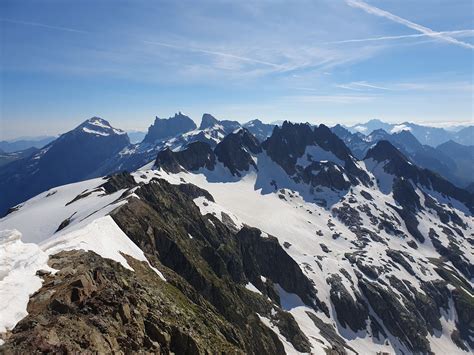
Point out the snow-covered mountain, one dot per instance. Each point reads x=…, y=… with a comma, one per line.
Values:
x=71, y=157
x=432, y=136
x=176, y=133
x=291, y=245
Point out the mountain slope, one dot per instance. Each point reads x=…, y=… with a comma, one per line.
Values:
x=368, y=248
x=73, y=156
x=201, y=299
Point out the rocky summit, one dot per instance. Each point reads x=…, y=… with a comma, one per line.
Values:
x=305, y=239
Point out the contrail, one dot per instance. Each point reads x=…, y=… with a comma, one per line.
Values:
x=37, y=24
x=222, y=54
x=422, y=29
x=384, y=38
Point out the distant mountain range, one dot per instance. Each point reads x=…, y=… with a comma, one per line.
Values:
x=451, y=160
x=432, y=136
x=25, y=143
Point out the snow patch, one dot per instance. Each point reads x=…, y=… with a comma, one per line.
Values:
x=18, y=265
x=102, y=236
x=316, y=153
x=399, y=128
x=251, y=287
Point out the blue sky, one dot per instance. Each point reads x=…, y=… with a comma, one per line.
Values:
x=330, y=61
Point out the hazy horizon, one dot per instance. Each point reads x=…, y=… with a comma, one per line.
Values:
x=323, y=61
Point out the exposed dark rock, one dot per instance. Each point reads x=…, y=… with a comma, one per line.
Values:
x=350, y=313
x=196, y=155
x=366, y=195
x=398, y=320
x=452, y=253
x=398, y=257
x=235, y=151
x=339, y=345
x=118, y=182
x=169, y=127
x=65, y=223
x=194, y=191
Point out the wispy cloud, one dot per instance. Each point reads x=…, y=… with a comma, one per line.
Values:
x=422, y=29
x=333, y=99
x=43, y=25
x=217, y=53
x=361, y=86
x=408, y=86
x=460, y=33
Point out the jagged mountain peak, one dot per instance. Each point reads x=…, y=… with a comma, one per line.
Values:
x=259, y=129
x=252, y=123
x=208, y=121
x=243, y=137
x=407, y=140
x=383, y=150
x=169, y=127
x=235, y=151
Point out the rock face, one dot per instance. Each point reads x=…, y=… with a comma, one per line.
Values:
x=329, y=162
x=235, y=149
x=169, y=127
x=73, y=156
x=287, y=143
x=197, y=155
x=208, y=121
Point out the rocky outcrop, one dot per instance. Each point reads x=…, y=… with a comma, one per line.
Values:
x=196, y=155
x=352, y=313
x=235, y=151
x=96, y=305
x=226, y=126
x=399, y=321
x=288, y=143
x=169, y=127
